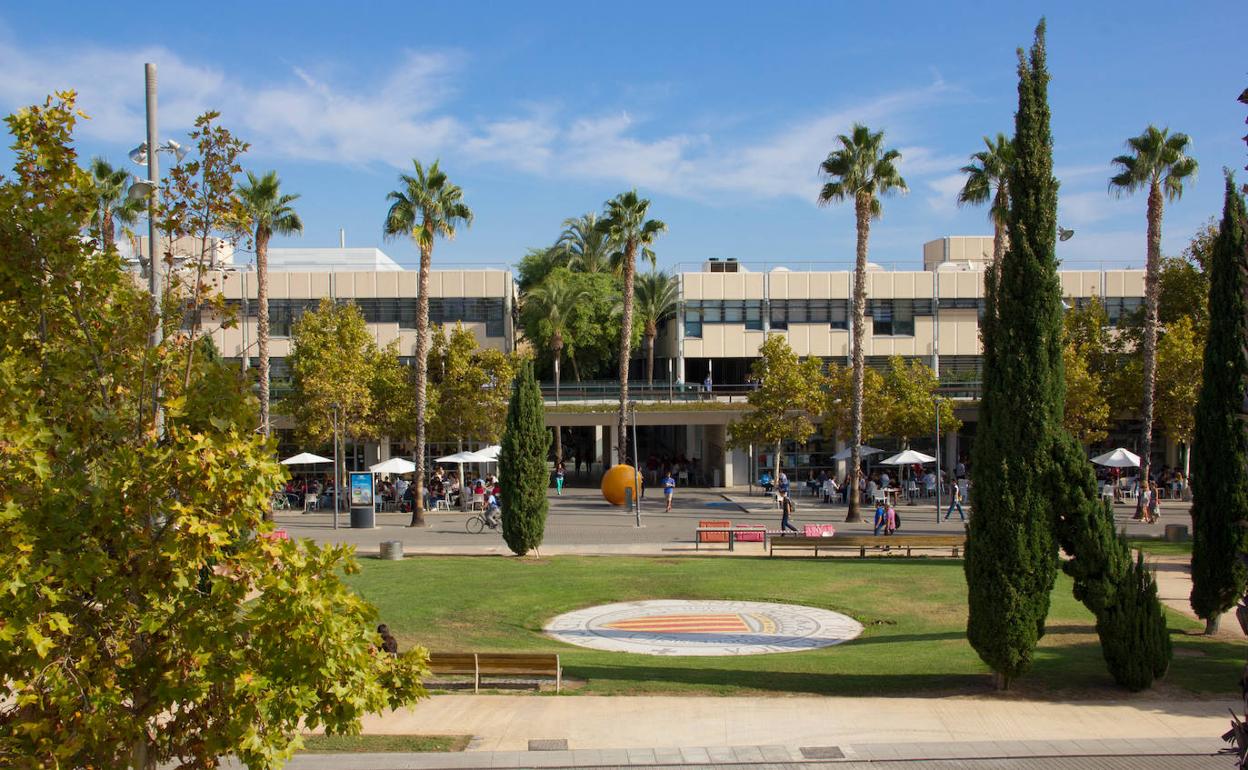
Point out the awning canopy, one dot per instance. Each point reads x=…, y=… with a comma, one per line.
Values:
x=394, y=465
x=908, y=457
x=1119, y=458
x=305, y=458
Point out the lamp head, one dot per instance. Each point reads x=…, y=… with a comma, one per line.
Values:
x=139, y=154
x=139, y=190
x=1063, y=234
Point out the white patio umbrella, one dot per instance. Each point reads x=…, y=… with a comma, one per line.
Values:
x=908, y=457
x=1119, y=458
x=305, y=458
x=490, y=452
x=863, y=451
x=395, y=465
x=459, y=458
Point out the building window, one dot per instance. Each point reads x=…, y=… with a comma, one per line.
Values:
x=693, y=320
x=779, y=315
x=893, y=318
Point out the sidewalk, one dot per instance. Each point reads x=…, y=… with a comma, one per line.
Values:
x=587, y=731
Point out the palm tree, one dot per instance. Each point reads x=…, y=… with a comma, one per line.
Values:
x=861, y=170
x=111, y=201
x=1159, y=162
x=556, y=299
x=625, y=225
x=657, y=298
x=586, y=248
x=987, y=178
x=267, y=212
x=427, y=206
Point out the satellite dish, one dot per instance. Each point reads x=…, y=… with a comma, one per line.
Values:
x=1063, y=234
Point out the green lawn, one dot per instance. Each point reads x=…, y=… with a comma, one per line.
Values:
x=1159, y=547
x=354, y=744
x=914, y=611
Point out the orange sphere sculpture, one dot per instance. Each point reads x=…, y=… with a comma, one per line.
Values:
x=616, y=481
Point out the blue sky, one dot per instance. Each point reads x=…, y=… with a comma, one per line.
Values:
x=718, y=112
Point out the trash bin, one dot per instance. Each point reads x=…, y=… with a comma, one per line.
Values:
x=392, y=550
x=363, y=517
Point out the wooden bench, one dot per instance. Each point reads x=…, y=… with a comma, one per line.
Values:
x=479, y=664
x=887, y=544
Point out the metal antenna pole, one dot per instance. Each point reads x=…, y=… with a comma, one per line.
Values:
x=337, y=485
x=155, y=282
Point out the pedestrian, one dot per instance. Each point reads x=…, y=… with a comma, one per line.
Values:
x=782, y=483
x=559, y=478
x=1149, y=504
x=881, y=518
x=669, y=491
x=890, y=519
x=786, y=510
x=955, y=492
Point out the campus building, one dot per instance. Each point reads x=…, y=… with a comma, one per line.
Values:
x=728, y=310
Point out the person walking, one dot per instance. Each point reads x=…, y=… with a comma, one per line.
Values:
x=786, y=510
x=669, y=491
x=559, y=472
x=881, y=518
x=956, y=502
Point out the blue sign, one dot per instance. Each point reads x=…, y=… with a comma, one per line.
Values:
x=362, y=489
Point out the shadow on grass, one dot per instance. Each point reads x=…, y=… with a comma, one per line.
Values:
x=899, y=685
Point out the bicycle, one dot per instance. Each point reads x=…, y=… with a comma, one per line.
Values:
x=281, y=502
x=477, y=523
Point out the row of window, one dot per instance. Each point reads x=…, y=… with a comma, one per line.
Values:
x=892, y=317
x=442, y=310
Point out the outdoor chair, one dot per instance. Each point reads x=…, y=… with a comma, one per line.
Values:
x=441, y=505
x=477, y=503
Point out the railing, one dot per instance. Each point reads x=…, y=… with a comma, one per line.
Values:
x=607, y=391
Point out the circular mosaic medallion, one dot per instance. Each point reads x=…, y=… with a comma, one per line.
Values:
x=696, y=627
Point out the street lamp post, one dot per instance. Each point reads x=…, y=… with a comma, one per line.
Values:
x=936, y=405
x=636, y=470
x=337, y=485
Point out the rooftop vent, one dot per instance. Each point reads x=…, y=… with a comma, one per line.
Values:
x=717, y=265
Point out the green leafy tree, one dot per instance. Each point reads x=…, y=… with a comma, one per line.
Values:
x=591, y=335
x=426, y=207
x=535, y=265
x=1010, y=553
x=784, y=404
x=199, y=202
x=624, y=224
x=1086, y=414
x=910, y=392
x=1158, y=162
x=144, y=621
x=113, y=205
x=522, y=465
x=657, y=298
x=469, y=388
x=390, y=390
x=587, y=248
x=861, y=171
x=266, y=210
x=1220, y=479
x=838, y=407
x=332, y=359
x=1179, y=353
x=987, y=179
x=556, y=300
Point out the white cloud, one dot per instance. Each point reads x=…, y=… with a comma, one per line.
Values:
x=943, y=193
x=409, y=112
x=1085, y=208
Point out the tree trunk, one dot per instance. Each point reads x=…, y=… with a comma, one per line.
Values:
x=651, y=333
x=776, y=475
x=420, y=376
x=1000, y=240
x=1152, y=269
x=107, y=233
x=1212, y=623
x=262, y=323
x=557, y=345
x=862, y=211
x=626, y=336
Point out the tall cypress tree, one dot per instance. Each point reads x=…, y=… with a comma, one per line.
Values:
x=1219, y=479
x=1010, y=555
x=522, y=465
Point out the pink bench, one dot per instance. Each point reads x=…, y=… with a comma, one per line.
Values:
x=818, y=530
